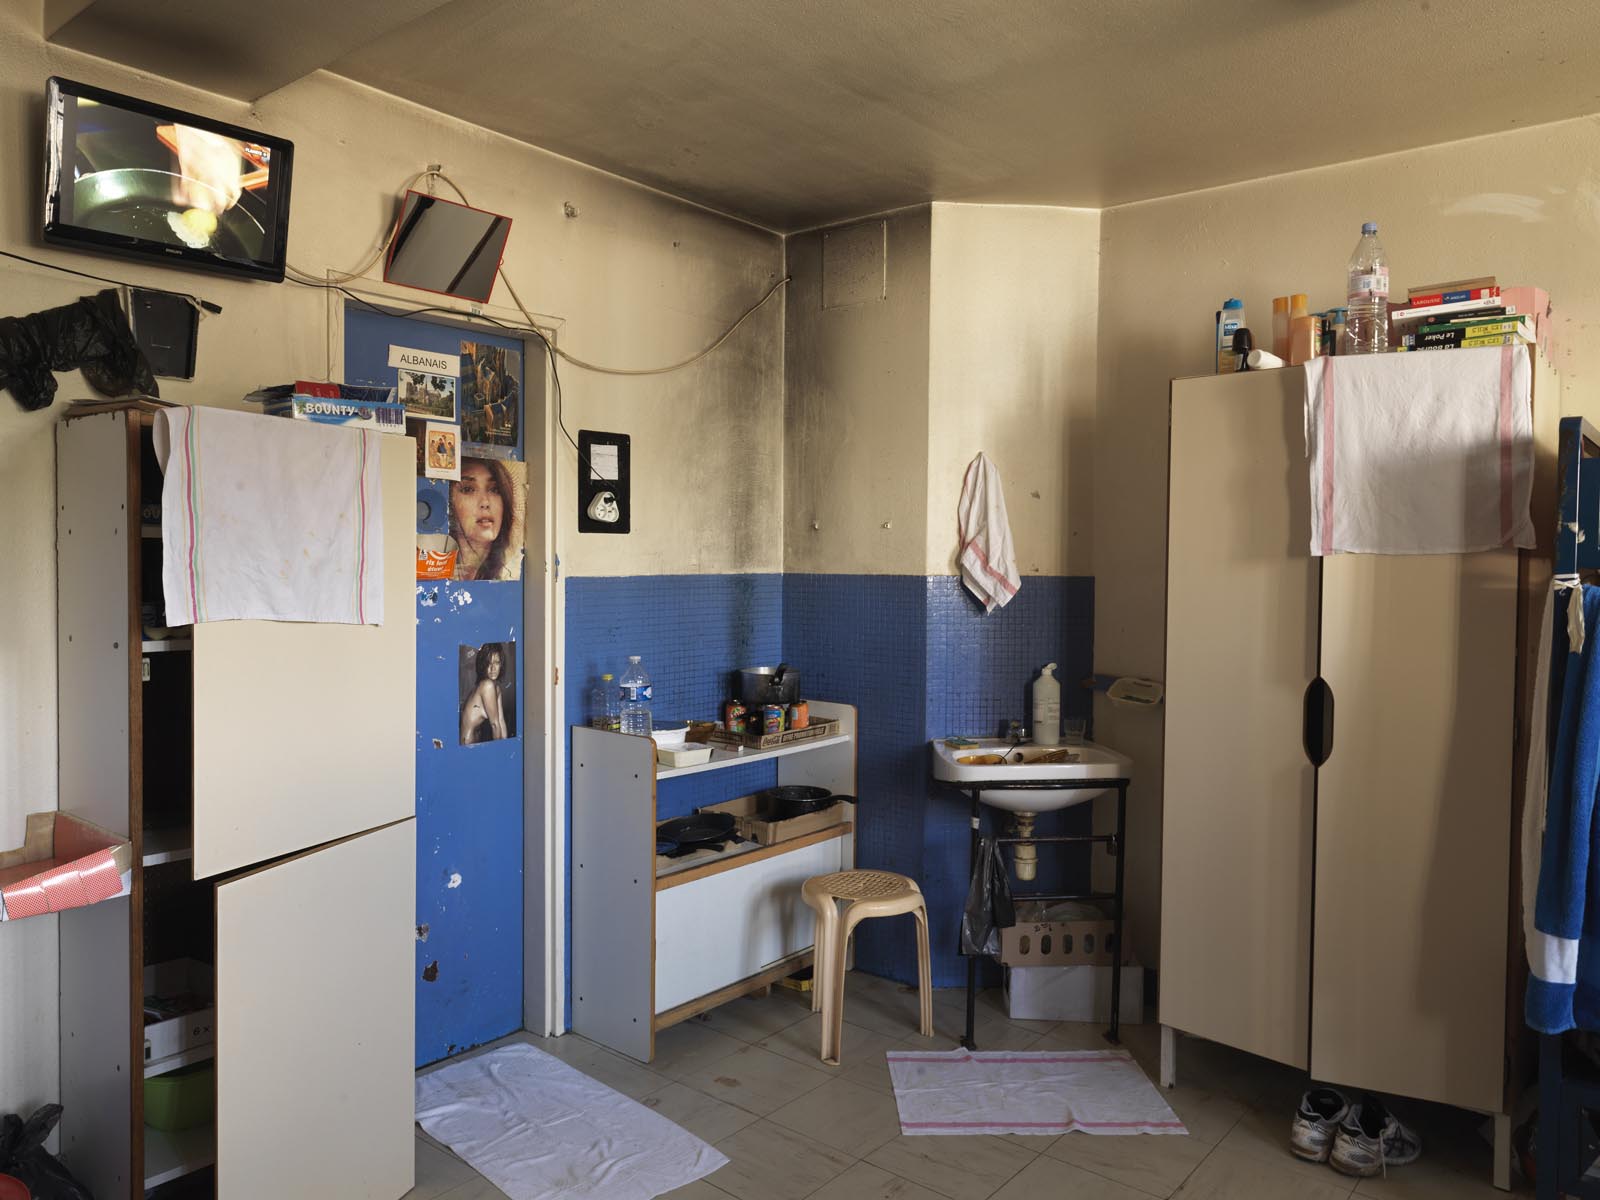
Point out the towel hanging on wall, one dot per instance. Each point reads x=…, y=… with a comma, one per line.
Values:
x=988, y=559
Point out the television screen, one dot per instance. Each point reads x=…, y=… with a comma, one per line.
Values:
x=132, y=178
x=442, y=246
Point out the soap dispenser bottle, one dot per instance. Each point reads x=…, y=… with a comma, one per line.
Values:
x=1047, y=707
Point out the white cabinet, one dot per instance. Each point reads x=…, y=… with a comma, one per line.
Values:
x=1349, y=918
x=264, y=775
x=714, y=930
x=314, y=1032
x=654, y=944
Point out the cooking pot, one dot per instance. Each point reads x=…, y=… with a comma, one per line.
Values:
x=769, y=685
x=796, y=800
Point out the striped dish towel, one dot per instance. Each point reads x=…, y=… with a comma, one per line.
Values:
x=952, y=1092
x=1426, y=453
x=268, y=519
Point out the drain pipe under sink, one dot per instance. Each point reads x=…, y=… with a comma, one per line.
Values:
x=1024, y=855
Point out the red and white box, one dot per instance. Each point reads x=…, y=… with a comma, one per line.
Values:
x=64, y=862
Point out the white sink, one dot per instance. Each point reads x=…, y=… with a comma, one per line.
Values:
x=996, y=760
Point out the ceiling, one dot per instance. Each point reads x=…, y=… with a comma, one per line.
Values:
x=796, y=113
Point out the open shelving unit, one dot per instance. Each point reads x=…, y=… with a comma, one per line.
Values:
x=721, y=757
x=170, y=1156
x=242, y=854
x=656, y=941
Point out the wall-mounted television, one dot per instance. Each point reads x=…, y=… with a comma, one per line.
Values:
x=126, y=177
x=445, y=247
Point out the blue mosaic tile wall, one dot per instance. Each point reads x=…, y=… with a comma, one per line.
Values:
x=915, y=654
x=980, y=673
x=981, y=666
x=862, y=640
x=691, y=631
x=920, y=659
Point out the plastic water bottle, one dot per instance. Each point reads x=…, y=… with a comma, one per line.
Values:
x=636, y=698
x=1367, y=318
x=604, y=708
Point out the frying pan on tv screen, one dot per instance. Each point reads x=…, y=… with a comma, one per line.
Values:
x=141, y=180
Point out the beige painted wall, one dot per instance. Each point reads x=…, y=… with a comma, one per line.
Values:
x=1012, y=346
x=1524, y=207
x=856, y=443
x=637, y=279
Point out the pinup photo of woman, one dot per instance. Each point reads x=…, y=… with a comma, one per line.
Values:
x=486, y=512
x=488, y=690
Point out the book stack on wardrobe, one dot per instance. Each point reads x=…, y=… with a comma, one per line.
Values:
x=1462, y=314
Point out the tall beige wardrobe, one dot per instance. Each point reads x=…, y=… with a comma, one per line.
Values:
x=1352, y=918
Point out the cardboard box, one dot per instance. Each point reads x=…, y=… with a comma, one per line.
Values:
x=64, y=862
x=767, y=833
x=378, y=416
x=179, y=1010
x=1058, y=943
x=1073, y=994
x=1534, y=302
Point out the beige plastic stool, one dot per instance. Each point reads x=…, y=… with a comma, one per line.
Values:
x=866, y=894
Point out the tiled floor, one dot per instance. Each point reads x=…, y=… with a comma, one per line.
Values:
x=747, y=1078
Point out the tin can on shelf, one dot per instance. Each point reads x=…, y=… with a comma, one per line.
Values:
x=799, y=714
x=772, y=718
x=733, y=717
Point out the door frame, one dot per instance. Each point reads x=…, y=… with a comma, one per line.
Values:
x=544, y=754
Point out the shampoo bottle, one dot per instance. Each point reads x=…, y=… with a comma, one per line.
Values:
x=1047, y=707
x=1229, y=321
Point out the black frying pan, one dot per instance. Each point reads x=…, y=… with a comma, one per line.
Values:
x=136, y=202
x=797, y=799
x=698, y=829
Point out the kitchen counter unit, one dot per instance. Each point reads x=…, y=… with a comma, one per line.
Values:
x=656, y=941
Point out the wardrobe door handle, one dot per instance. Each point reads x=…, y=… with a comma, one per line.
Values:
x=1318, y=727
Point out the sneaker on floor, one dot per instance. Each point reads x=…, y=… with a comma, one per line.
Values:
x=1316, y=1123
x=1371, y=1140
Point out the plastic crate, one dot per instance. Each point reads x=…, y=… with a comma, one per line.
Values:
x=181, y=1099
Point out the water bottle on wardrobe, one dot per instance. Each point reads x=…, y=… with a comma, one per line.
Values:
x=636, y=698
x=1367, y=315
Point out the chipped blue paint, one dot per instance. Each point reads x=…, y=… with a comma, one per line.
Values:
x=469, y=810
x=469, y=798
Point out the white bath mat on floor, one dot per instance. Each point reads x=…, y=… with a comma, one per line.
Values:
x=1042, y=1092
x=538, y=1129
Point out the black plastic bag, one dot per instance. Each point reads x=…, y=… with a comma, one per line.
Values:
x=91, y=333
x=989, y=908
x=23, y=1156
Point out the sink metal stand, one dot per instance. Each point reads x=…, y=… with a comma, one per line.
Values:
x=1115, y=843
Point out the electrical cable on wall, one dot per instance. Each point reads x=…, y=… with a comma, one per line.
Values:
x=336, y=280
x=204, y=307
x=298, y=275
x=509, y=326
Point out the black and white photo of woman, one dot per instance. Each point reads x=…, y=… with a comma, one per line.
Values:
x=488, y=690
